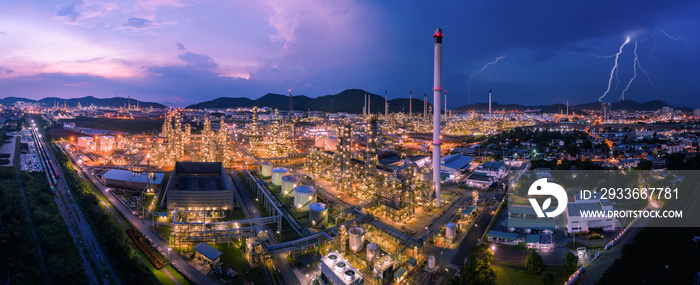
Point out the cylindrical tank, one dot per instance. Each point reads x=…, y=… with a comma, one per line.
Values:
x=372, y=252
x=340, y=266
x=318, y=214
x=331, y=143
x=425, y=176
x=357, y=238
x=288, y=184
x=451, y=231
x=431, y=262
x=349, y=275
x=333, y=257
x=304, y=196
x=277, y=174
x=266, y=169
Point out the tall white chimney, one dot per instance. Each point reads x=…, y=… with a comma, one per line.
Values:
x=490, y=108
x=386, y=105
x=410, y=103
x=437, y=88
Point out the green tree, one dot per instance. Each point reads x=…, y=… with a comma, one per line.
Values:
x=570, y=262
x=547, y=278
x=477, y=269
x=644, y=165
x=534, y=263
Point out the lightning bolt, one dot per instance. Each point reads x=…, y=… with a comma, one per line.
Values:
x=614, y=69
x=636, y=62
x=672, y=37
x=469, y=83
x=636, y=65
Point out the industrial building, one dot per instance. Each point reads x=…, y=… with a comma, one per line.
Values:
x=455, y=162
x=127, y=179
x=200, y=186
x=336, y=270
x=576, y=223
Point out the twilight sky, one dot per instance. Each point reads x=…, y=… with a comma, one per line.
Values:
x=179, y=52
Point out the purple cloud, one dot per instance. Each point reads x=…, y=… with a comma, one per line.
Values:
x=139, y=23
x=198, y=60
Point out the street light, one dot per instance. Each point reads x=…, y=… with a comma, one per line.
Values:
x=478, y=232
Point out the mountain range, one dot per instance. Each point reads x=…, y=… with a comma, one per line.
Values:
x=579, y=108
x=113, y=102
x=350, y=101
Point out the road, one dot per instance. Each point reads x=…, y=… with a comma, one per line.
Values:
x=144, y=227
x=596, y=268
x=95, y=262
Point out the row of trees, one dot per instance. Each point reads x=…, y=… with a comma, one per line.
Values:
x=535, y=264
x=63, y=263
x=18, y=248
x=109, y=234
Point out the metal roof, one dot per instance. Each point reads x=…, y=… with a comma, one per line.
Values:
x=503, y=235
x=207, y=250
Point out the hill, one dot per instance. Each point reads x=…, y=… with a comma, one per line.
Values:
x=85, y=101
x=350, y=101
x=579, y=109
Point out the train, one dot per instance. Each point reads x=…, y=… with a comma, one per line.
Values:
x=49, y=170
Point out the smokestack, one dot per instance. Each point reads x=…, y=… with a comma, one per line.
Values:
x=290, y=102
x=364, y=108
x=445, y=105
x=489, y=108
x=386, y=105
x=410, y=103
x=369, y=104
x=567, y=108
x=425, y=105
x=437, y=82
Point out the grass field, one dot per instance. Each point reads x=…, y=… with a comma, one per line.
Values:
x=165, y=231
x=511, y=275
x=231, y=257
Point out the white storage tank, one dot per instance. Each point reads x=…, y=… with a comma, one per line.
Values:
x=304, y=196
x=266, y=169
x=425, y=176
x=83, y=141
x=451, y=231
x=318, y=214
x=277, y=174
x=288, y=184
x=431, y=262
x=372, y=252
x=331, y=143
x=357, y=238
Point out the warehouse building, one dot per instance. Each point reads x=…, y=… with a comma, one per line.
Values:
x=199, y=186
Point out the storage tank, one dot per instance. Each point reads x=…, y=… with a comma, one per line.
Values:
x=431, y=262
x=304, y=196
x=277, y=174
x=425, y=176
x=331, y=143
x=451, y=231
x=318, y=214
x=357, y=238
x=333, y=257
x=288, y=184
x=266, y=169
x=349, y=275
x=340, y=266
x=372, y=252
